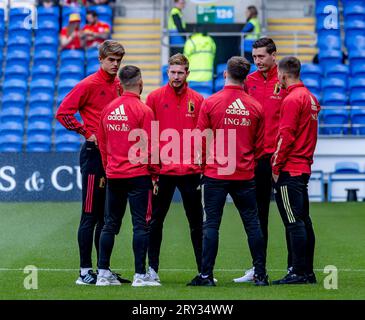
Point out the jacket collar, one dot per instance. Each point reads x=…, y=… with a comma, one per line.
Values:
x=106, y=76
x=293, y=86
x=130, y=94
x=183, y=91
x=233, y=87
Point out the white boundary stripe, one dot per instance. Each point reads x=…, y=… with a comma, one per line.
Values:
x=171, y=270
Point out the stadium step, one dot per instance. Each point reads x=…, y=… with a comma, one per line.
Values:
x=142, y=41
x=300, y=43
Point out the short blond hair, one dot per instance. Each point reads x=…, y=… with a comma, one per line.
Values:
x=179, y=59
x=111, y=47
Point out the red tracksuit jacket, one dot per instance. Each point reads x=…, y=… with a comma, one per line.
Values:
x=177, y=112
x=232, y=108
x=270, y=95
x=297, y=135
x=89, y=97
x=119, y=152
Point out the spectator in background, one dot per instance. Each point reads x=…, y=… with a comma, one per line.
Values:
x=48, y=3
x=73, y=3
x=200, y=50
x=71, y=34
x=95, y=31
x=176, y=25
x=253, y=28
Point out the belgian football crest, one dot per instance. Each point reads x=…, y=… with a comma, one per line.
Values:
x=191, y=107
x=277, y=89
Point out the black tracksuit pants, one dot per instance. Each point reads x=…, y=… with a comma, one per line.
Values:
x=243, y=194
x=293, y=203
x=263, y=178
x=93, y=201
x=189, y=187
x=138, y=191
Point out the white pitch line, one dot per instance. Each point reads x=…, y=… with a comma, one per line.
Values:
x=169, y=270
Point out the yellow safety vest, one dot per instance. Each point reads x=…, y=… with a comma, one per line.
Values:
x=255, y=34
x=171, y=24
x=200, y=51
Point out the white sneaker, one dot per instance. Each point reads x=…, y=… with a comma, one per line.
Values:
x=143, y=280
x=248, y=277
x=152, y=274
x=107, y=280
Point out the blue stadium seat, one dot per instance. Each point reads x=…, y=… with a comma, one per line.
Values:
x=326, y=22
x=11, y=143
x=65, y=86
x=2, y=42
x=336, y=121
x=38, y=143
x=46, y=43
x=333, y=99
x=357, y=98
x=11, y=127
x=347, y=167
x=92, y=68
x=45, y=57
x=205, y=88
x=220, y=69
x=39, y=127
x=329, y=41
x=42, y=86
x=357, y=85
x=310, y=70
x=72, y=57
x=13, y=114
x=92, y=53
x=339, y=71
x=320, y=5
x=48, y=28
x=17, y=29
x=329, y=57
x=358, y=121
x=44, y=71
x=219, y=84
x=19, y=14
x=15, y=86
x=353, y=28
x=313, y=85
x=253, y=68
x=18, y=57
x=16, y=72
x=357, y=60
x=333, y=85
x=2, y=20
x=48, y=14
x=176, y=39
x=40, y=114
x=41, y=99
x=357, y=43
x=67, y=142
x=10, y=100
x=354, y=10
x=72, y=72
x=19, y=43
x=104, y=12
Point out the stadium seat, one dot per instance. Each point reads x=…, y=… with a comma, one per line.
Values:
x=48, y=14
x=10, y=100
x=354, y=10
x=104, y=13
x=358, y=121
x=46, y=43
x=313, y=86
x=41, y=99
x=320, y=5
x=44, y=71
x=39, y=127
x=357, y=60
x=357, y=85
x=218, y=84
x=339, y=71
x=347, y=167
x=220, y=69
x=72, y=57
x=333, y=99
x=19, y=14
x=92, y=53
x=40, y=114
x=42, y=86
x=353, y=28
x=329, y=57
x=48, y=28
x=2, y=42
x=15, y=86
x=92, y=68
x=204, y=88
x=19, y=43
x=67, y=142
x=329, y=41
x=310, y=70
x=326, y=22
x=38, y=143
x=13, y=113
x=17, y=30
x=253, y=68
x=65, y=86
x=357, y=42
x=357, y=98
x=45, y=57
x=335, y=121
x=11, y=127
x=16, y=72
x=11, y=143
x=72, y=72
x=333, y=85
x=18, y=57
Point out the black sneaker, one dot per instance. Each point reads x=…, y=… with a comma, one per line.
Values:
x=311, y=278
x=200, y=281
x=261, y=280
x=292, y=278
x=89, y=278
x=119, y=278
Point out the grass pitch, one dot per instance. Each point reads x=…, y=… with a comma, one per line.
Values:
x=44, y=235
